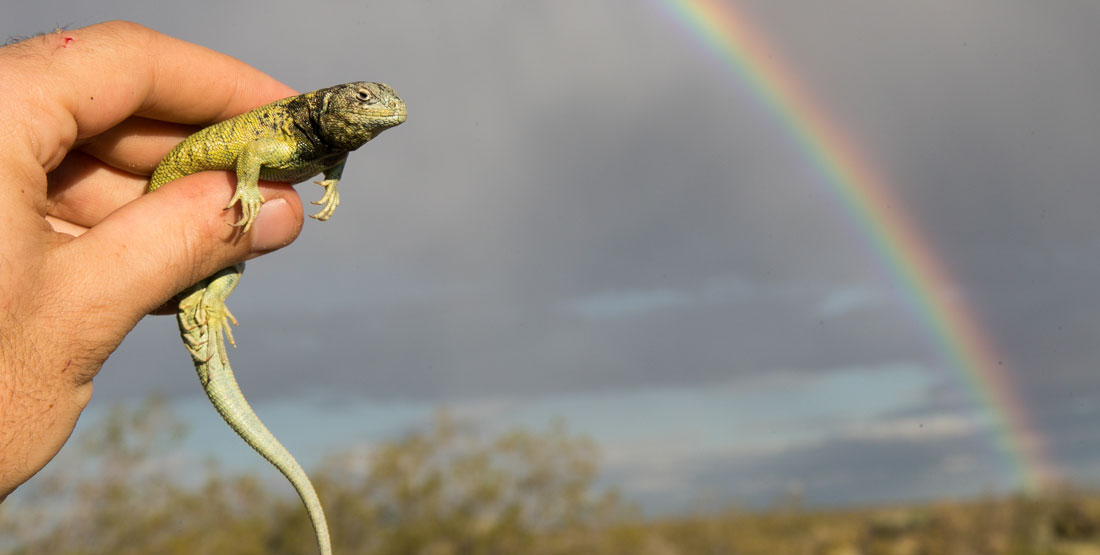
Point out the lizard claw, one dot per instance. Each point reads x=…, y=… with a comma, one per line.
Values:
x=227, y=317
x=250, y=206
x=331, y=199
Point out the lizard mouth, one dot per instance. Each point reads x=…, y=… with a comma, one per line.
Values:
x=399, y=111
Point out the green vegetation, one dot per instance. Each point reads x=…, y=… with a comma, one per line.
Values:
x=450, y=490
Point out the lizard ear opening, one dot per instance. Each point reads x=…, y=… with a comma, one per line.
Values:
x=324, y=103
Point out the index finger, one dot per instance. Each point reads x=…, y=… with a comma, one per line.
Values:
x=73, y=84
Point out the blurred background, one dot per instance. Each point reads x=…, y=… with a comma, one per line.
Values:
x=753, y=254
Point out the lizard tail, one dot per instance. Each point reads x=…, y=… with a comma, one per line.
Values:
x=203, y=319
x=223, y=391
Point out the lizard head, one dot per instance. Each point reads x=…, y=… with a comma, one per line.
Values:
x=354, y=113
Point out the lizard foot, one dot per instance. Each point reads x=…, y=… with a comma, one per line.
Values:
x=216, y=312
x=204, y=319
x=331, y=199
x=251, y=200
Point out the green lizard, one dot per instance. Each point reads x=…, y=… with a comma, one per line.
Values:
x=288, y=140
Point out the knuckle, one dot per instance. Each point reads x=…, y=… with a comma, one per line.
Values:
x=122, y=27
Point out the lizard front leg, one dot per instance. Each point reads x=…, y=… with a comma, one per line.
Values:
x=256, y=154
x=331, y=198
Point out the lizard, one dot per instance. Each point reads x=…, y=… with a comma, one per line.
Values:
x=289, y=140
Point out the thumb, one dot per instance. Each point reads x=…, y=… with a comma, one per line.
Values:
x=145, y=252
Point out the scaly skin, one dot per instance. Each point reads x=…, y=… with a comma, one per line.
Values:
x=288, y=140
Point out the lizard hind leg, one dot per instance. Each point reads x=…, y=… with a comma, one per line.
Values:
x=204, y=318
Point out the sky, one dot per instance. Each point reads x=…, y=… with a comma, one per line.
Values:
x=589, y=216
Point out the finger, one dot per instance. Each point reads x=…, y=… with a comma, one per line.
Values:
x=79, y=83
x=149, y=249
x=137, y=144
x=104, y=73
x=83, y=190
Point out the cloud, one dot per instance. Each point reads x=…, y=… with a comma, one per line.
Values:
x=850, y=299
x=712, y=293
x=629, y=303
x=857, y=464
x=933, y=428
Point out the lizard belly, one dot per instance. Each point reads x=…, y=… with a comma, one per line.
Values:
x=299, y=171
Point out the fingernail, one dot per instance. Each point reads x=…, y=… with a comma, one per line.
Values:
x=275, y=226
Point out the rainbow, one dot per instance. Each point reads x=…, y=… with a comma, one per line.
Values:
x=918, y=273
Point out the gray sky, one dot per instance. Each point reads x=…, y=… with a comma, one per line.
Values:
x=587, y=215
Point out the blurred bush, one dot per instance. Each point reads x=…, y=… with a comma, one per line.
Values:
x=124, y=488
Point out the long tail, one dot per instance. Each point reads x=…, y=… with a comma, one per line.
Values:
x=204, y=322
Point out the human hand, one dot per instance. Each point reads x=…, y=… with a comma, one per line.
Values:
x=85, y=116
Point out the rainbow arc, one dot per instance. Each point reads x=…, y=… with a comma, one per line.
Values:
x=911, y=261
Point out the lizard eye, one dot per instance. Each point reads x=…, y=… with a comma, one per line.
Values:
x=364, y=95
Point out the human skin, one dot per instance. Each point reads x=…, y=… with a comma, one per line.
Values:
x=85, y=116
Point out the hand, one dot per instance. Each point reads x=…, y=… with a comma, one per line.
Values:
x=85, y=115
